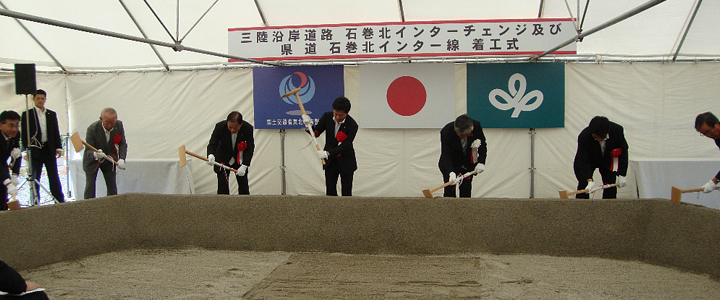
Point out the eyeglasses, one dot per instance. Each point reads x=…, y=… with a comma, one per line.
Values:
x=707, y=133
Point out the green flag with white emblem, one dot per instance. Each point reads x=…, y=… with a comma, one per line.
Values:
x=517, y=95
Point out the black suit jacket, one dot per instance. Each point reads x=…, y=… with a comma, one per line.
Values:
x=344, y=153
x=717, y=142
x=95, y=136
x=588, y=156
x=10, y=280
x=222, y=147
x=53, y=134
x=452, y=156
x=6, y=147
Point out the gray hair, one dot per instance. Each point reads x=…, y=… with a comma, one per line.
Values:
x=463, y=124
x=108, y=110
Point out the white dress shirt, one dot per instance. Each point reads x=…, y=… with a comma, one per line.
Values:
x=42, y=120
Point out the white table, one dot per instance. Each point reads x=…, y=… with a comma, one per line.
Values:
x=655, y=178
x=160, y=176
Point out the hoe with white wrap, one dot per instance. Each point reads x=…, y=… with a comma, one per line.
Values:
x=564, y=194
x=429, y=193
x=305, y=117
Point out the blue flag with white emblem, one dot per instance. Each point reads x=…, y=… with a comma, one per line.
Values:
x=517, y=95
x=319, y=86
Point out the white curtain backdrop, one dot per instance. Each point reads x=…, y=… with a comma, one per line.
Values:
x=655, y=102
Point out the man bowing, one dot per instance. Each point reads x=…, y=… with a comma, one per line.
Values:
x=108, y=136
x=232, y=144
x=463, y=148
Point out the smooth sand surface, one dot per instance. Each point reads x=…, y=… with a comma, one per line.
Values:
x=195, y=273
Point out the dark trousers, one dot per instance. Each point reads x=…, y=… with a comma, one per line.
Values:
x=4, y=195
x=332, y=172
x=39, y=295
x=608, y=177
x=46, y=156
x=224, y=177
x=110, y=175
x=465, y=187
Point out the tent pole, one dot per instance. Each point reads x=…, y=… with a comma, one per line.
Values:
x=198, y=21
x=161, y=22
x=542, y=8
x=615, y=20
x=177, y=21
x=402, y=11
x=176, y=47
x=567, y=5
x=37, y=41
x=687, y=29
x=262, y=15
x=532, y=162
x=167, y=68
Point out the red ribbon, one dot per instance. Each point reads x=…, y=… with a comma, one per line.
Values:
x=341, y=136
x=615, y=162
x=116, y=139
x=241, y=147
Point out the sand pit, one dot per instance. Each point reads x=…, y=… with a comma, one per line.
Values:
x=270, y=247
x=213, y=274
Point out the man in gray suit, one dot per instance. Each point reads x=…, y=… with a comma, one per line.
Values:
x=108, y=136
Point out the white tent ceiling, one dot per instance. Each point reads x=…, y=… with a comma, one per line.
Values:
x=652, y=34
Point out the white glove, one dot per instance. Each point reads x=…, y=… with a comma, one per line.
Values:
x=242, y=170
x=15, y=153
x=322, y=154
x=476, y=144
x=622, y=181
x=99, y=155
x=306, y=119
x=590, y=186
x=709, y=186
x=121, y=164
x=14, y=179
x=480, y=168
x=11, y=189
x=455, y=179
x=211, y=160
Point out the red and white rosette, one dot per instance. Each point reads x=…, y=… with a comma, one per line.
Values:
x=341, y=136
x=615, y=155
x=241, y=147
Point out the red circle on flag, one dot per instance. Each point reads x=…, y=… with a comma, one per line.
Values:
x=406, y=96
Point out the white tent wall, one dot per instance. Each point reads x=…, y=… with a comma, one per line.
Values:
x=655, y=102
x=54, y=85
x=162, y=111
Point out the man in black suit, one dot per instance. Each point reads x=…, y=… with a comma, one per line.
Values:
x=9, y=148
x=602, y=146
x=462, y=149
x=14, y=284
x=108, y=136
x=232, y=144
x=338, y=151
x=44, y=143
x=707, y=124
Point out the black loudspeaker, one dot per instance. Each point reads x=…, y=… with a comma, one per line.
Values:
x=25, y=79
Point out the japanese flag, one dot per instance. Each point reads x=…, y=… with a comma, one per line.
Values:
x=407, y=96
